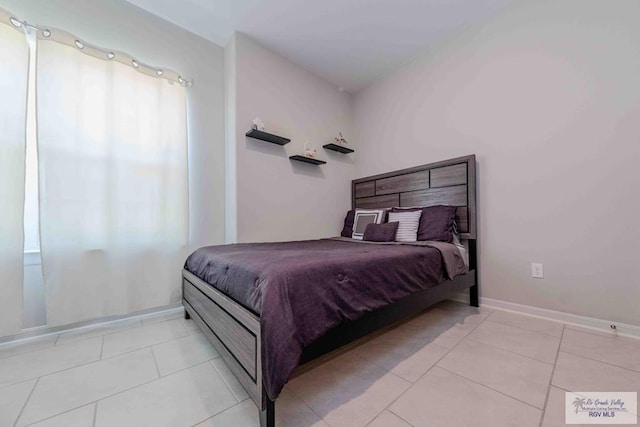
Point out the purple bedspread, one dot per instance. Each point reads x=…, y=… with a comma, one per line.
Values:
x=302, y=289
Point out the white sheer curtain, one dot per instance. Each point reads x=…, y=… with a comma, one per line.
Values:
x=14, y=63
x=113, y=185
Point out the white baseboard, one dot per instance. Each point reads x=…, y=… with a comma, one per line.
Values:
x=622, y=329
x=42, y=331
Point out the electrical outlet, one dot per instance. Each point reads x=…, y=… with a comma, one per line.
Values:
x=536, y=271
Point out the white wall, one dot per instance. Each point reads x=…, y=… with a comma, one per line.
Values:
x=547, y=95
x=122, y=26
x=33, y=308
x=280, y=199
x=230, y=201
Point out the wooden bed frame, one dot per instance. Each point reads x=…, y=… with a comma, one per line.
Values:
x=235, y=331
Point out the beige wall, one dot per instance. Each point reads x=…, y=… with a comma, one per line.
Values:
x=547, y=95
x=279, y=199
x=121, y=26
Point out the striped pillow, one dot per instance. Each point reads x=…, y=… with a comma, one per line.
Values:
x=408, y=227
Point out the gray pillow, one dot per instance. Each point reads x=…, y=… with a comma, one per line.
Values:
x=363, y=217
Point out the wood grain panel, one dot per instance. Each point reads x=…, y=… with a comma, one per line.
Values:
x=454, y=196
x=401, y=183
x=462, y=219
x=386, y=201
x=365, y=189
x=249, y=384
x=449, y=175
x=239, y=341
x=450, y=182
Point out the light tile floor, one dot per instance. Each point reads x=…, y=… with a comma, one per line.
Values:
x=451, y=366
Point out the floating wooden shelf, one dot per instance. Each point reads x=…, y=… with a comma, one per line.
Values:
x=338, y=148
x=269, y=137
x=307, y=160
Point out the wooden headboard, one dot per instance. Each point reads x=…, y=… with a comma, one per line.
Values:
x=449, y=182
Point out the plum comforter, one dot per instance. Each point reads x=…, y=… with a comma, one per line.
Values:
x=300, y=290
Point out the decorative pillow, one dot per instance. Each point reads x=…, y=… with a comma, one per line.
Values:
x=364, y=217
x=437, y=223
x=347, y=230
x=408, y=227
x=381, y=232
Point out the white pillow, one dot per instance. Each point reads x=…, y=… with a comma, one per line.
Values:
x=408, y=225
x=362, y=218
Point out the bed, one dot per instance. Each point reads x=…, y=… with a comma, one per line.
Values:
x=271, y=307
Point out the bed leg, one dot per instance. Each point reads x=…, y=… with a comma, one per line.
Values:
x=473, y=265
x=473, y=296
x=187, y=315
x=268, y=414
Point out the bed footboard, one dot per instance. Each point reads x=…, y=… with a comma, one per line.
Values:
x=234, y=332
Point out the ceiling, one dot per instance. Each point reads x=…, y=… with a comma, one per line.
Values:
x=351, y=43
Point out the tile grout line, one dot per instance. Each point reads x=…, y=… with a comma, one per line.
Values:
x=93, y=361
x=491, y=388
x=383, y=368
x=87, y=363
x=185, y=326
x=341, y=354
x=432, y=366
x=114, y=394
x=428, y=370
x=59, y=335
x=528, y=317
x=98, y=335
x=527, y=330
x=101, y=347
x=599, y=361
x=510, y=351
x=553, y=371
x=157, y=321
x=603, y=333
x=26, y=402
x=22, y=353
x=391, y=412
x=354, y=350
x=59, y=414
x=310, y=409
x=95, y=414
x=148, y=345
x=397, y=415
x=155, y=361
x=48, y=374
x=224, y=381
x=217, y=413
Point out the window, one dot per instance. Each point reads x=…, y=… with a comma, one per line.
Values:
x=31, y=214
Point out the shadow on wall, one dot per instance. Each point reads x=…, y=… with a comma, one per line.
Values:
x=34, y=310
x=338, y=157
x=265, y=147
x=391, y=349
x=306, y=169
